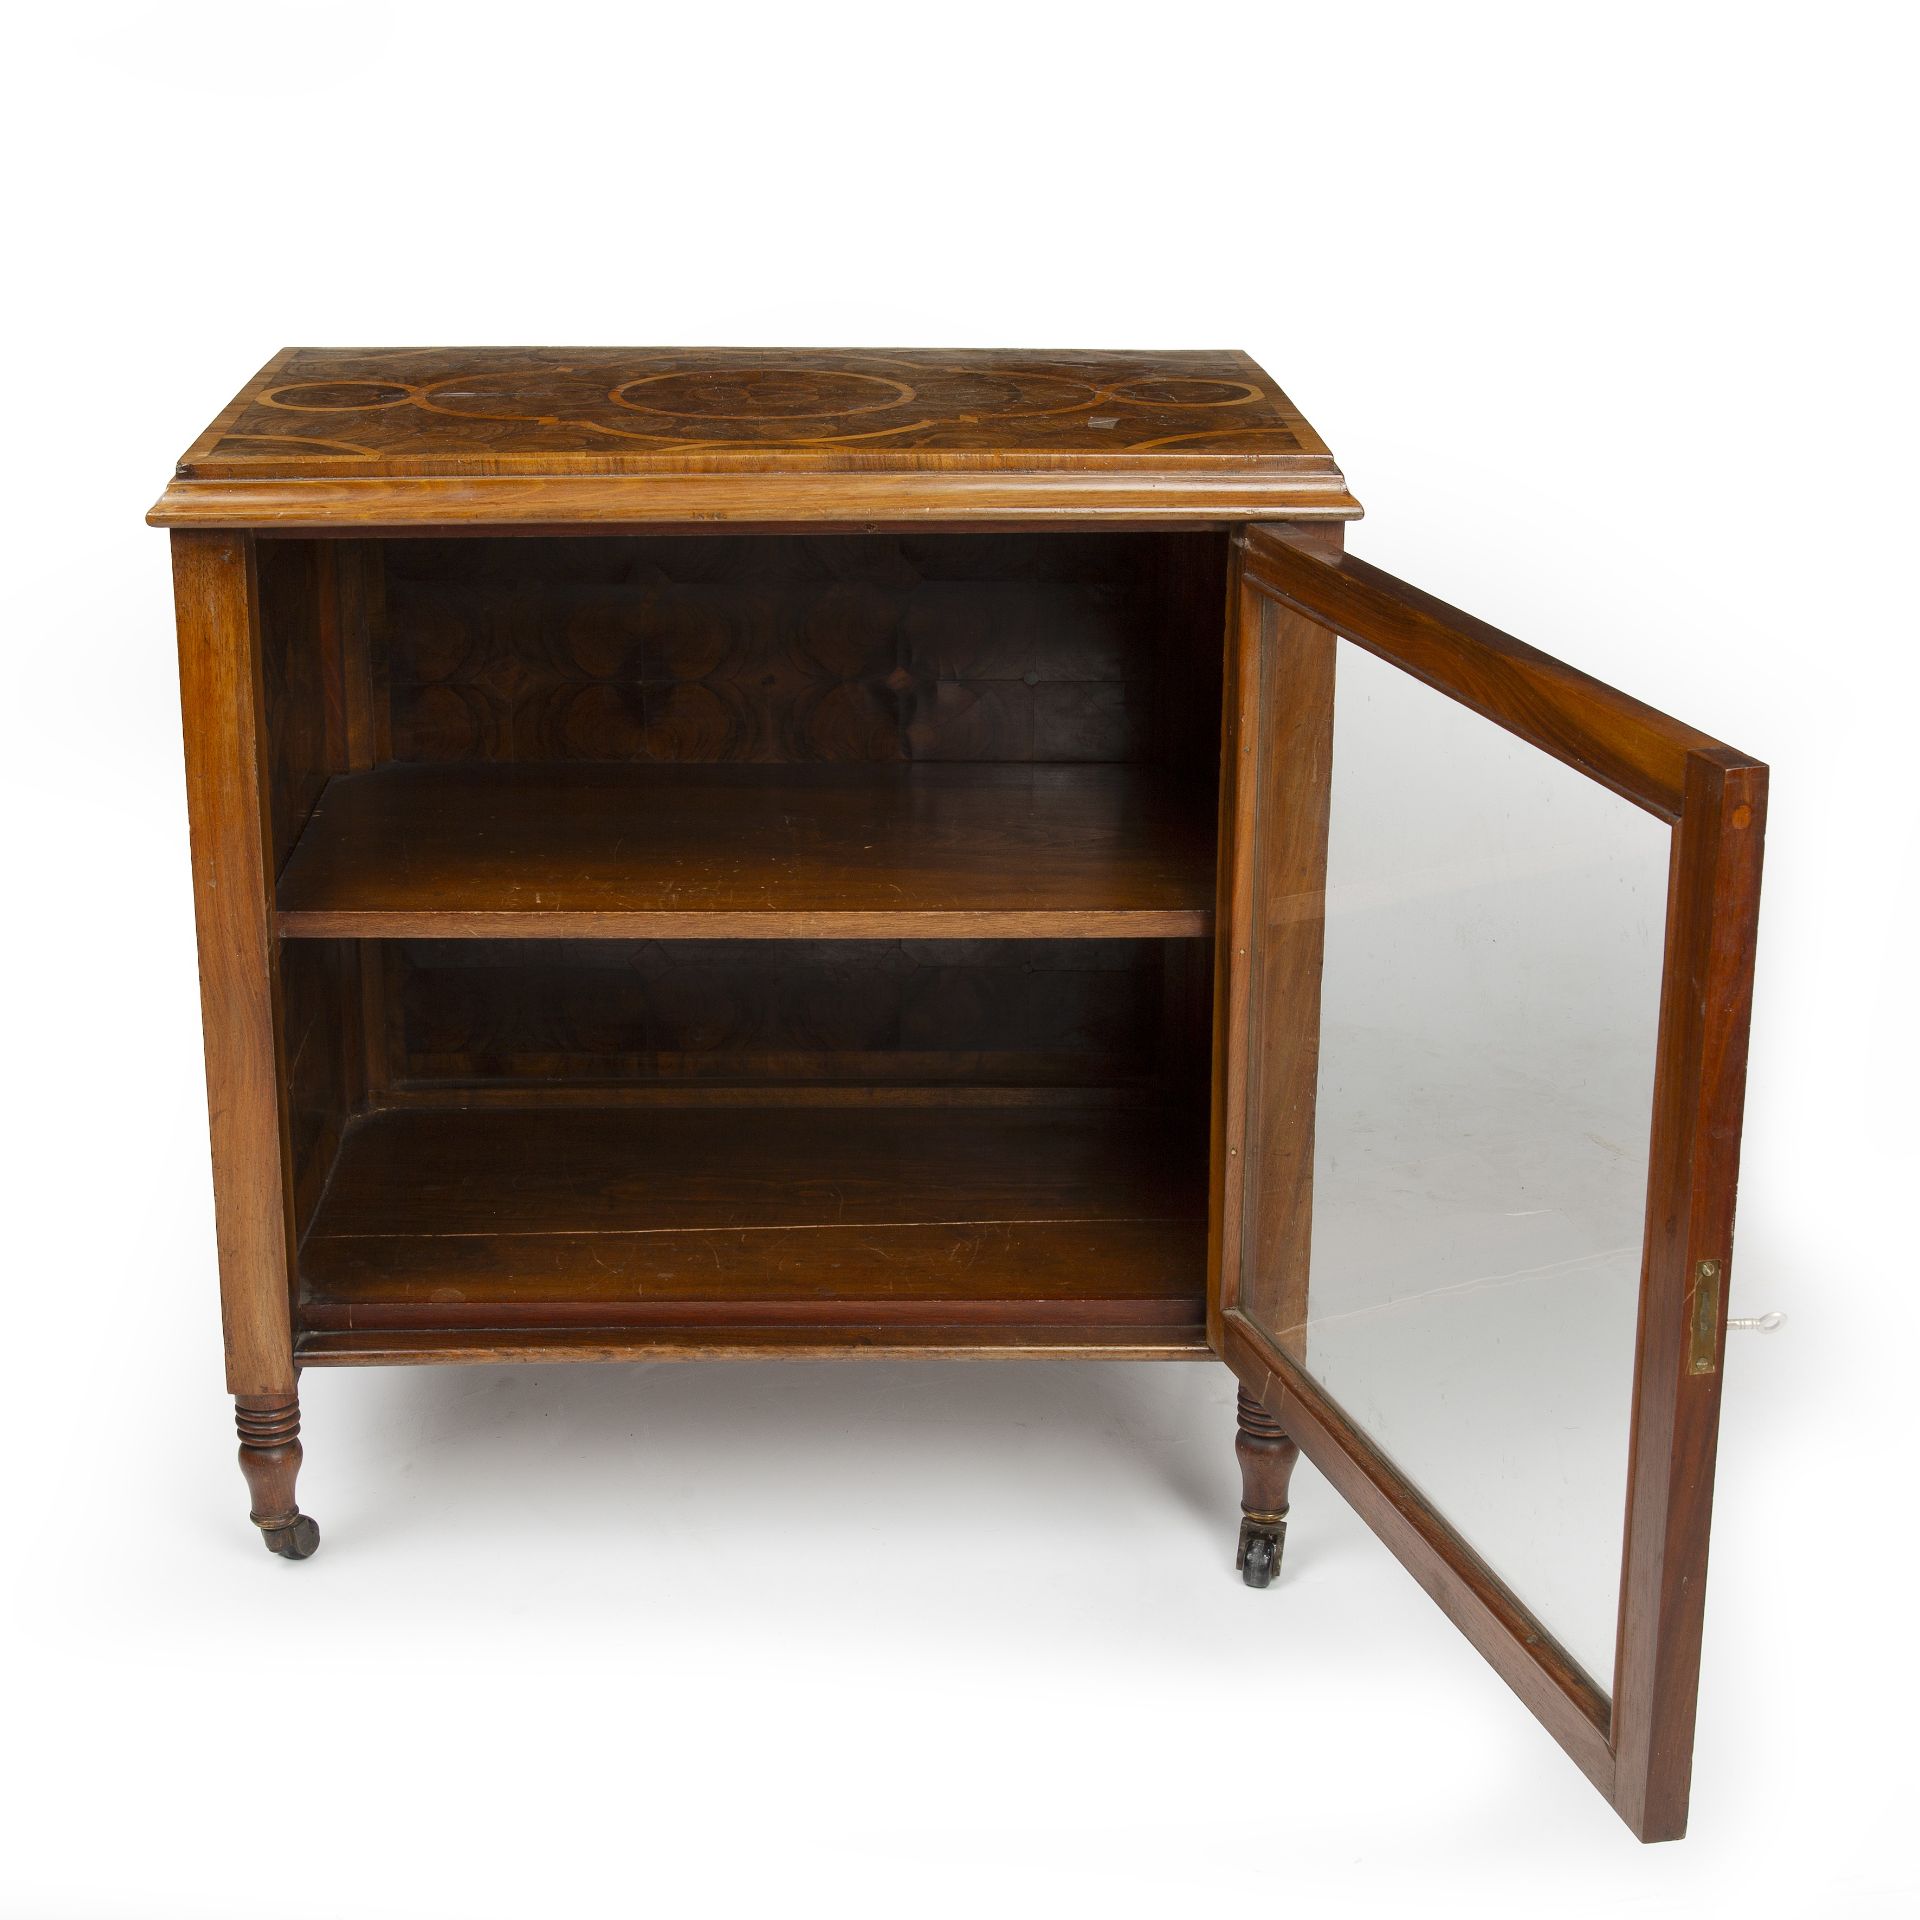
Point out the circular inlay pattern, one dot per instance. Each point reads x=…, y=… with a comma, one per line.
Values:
x=761, y=393
x=338, y=396
x=534, y=403
x=1185, y=390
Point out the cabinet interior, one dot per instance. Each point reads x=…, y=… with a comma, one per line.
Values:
x=949, y=802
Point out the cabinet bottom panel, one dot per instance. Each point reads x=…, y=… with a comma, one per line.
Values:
x=505, y=1232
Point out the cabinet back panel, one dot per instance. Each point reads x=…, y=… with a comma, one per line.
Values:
x=753, y=1012
x=968, y=647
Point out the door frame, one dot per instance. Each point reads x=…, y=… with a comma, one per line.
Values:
x=1287, y=605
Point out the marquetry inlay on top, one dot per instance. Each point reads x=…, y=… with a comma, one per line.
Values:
x=444, y=434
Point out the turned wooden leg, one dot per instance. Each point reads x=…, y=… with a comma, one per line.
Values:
x=1266, y=1469
x=270, y=1458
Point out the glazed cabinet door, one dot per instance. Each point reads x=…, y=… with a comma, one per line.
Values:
x=1485, y=966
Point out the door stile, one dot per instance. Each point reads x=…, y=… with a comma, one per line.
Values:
x=1700, y=1086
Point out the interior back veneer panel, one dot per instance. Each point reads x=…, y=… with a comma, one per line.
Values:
x=982, y=647
x=882, y=1012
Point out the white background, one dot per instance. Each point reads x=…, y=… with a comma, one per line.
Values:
x=1604, y=310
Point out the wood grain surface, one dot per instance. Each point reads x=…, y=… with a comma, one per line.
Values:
x=871, y=1339
x=672, y=1018
x=1636, y=750
x=752, y=852
x=1065, y=647
x=1699, y=1096
x=419, y=436
x=572, y=1217
x=229, y=811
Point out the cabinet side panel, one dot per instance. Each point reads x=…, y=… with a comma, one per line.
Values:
x=221, y=696
x=301, y=680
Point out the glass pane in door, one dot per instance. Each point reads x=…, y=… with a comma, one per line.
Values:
x=1489, y=1003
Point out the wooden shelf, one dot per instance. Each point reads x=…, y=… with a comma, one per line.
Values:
x=471, y=1233
x=739, y=851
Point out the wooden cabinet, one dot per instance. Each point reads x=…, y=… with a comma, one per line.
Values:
x=749, y=853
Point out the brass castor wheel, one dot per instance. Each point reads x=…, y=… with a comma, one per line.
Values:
x=294, y=1542
x=1261, y=1541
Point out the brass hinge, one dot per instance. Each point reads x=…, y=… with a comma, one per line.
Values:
x=1706, y=1316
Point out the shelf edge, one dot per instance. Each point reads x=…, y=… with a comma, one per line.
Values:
x=453, y=923
x=480, y=1347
